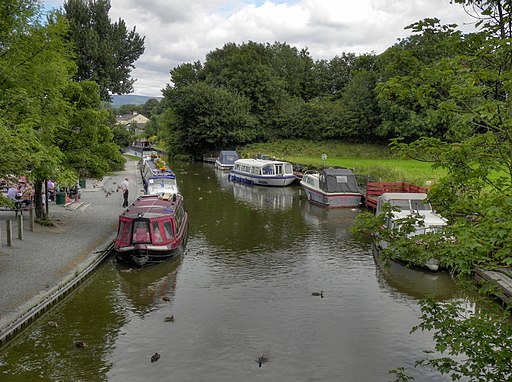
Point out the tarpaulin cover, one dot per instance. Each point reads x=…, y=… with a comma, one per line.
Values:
x=338, y=180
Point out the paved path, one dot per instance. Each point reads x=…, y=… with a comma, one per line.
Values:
x=36, y=266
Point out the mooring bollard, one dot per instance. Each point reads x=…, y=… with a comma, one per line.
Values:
x=9, y=232
x=20, y=227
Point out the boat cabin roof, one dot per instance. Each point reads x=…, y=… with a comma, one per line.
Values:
x=402, y=196
x=258, y=162
x=155, y=171
x=338, y=180
x=153, y=206
x=228, y=152
x=406, y=201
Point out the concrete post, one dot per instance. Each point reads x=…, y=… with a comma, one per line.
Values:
x=20, y=227
x=9, y=232
x=32, y=219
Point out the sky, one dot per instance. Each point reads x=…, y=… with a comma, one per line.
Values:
x=185, y=31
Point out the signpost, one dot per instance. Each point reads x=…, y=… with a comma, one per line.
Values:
x=324, y=158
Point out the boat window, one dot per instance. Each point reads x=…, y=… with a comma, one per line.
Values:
x=256, y=170
x=279, y=169
x=403, y=204
x=420, y=205
x=179, y=217
x=168, y=230
x=268, y=170
x=157, y=235
x=125, y=229
x=288, y=168
x=341, y=179
x=141, y=232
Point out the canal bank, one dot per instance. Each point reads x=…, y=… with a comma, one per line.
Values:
x=38, y=267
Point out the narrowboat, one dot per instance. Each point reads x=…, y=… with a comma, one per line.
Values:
x=332, y=187
x=262, y=172
x=411, y=204
x=152, y=229
x=226, y=160
x=157, y=177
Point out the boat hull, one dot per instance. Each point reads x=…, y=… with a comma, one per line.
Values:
x=333, y=200
x=274, y=181
x=144, y=255
x=223, y=166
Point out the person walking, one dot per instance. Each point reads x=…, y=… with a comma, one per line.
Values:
x=124, y=188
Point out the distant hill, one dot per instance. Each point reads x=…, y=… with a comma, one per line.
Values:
x=130, y=99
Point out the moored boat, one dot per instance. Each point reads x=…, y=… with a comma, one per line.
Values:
x=152, y=229
x=157, y=177
x=411, y=204
x=262, y=172
x=332, y=187
x=226, y=159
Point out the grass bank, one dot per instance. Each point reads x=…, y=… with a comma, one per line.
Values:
x=377, y=163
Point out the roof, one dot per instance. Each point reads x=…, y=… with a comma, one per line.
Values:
x=152, y=206
x=403, y=196
x=337, y=171
x=259, y=162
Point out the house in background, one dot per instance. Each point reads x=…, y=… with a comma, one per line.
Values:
x=134, y=119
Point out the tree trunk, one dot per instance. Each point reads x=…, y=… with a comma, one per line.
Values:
x=41, y=213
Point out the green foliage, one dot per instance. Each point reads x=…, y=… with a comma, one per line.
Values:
x=122, y=137
x=209, y=118
x=105, y=51
x=471, y=345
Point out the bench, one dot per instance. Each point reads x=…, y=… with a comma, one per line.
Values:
x=16, y=210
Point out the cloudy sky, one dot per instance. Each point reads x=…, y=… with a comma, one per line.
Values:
x=179, y=31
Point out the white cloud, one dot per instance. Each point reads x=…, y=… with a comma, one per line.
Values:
x=181, y=31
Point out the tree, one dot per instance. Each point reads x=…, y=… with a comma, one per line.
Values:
x=122, y=137
x=407, y=104
x=35, y=66
x=467, y=94
x=105, y=51
x=209, y=118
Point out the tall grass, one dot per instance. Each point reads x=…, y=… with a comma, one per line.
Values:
x=369, y=162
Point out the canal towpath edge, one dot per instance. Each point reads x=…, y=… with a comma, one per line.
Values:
x=45, y=260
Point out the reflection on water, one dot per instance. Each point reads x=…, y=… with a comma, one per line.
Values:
x=145, y=289
x=242, y=291
x=414, y=282
x=258, y=197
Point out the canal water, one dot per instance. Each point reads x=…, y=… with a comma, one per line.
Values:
x=243, y=290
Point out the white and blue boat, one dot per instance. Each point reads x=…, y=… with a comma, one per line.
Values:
x=157, y=177
x=262, y=172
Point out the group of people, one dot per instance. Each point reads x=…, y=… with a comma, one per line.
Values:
x=21, y=194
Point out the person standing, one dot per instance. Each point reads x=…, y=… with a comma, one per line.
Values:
x=124, y=188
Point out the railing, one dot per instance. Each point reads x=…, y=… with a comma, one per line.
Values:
x=376, y=189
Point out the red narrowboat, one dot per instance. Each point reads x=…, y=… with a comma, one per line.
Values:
x=152, y=229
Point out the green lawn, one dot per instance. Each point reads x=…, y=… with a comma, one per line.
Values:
x=374, y=162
